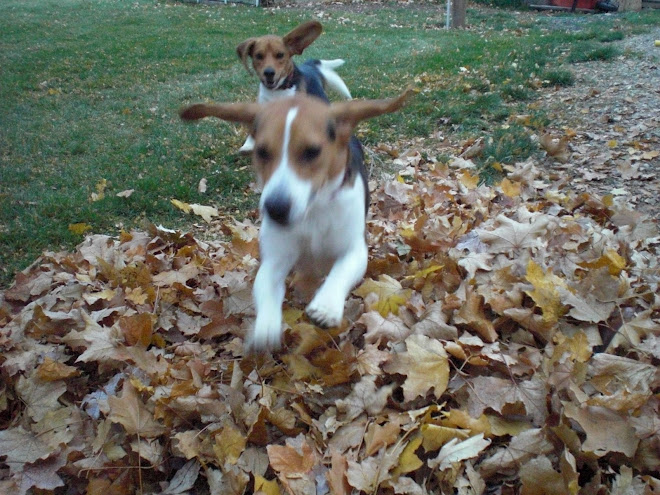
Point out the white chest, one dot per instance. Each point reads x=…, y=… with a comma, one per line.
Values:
x=266, y=95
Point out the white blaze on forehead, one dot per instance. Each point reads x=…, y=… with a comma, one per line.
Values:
x=290, y=116
x=284, y=182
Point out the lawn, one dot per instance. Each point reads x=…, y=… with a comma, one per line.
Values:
x=91, y=92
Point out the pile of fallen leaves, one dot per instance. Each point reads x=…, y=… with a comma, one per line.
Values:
x=505, y=340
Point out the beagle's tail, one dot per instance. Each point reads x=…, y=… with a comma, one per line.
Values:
x=332, y=79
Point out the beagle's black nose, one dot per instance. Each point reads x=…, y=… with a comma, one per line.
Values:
x=277, y=208
x=269, y=73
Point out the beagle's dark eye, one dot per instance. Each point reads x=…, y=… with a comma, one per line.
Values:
x=310, y=153
x=262, y=153
x=259, y=56
x=279, y=55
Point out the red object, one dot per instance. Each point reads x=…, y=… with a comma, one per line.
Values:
x=581, y=4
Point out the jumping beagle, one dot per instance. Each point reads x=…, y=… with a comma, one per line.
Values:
x=313, y=203
x=280, y=77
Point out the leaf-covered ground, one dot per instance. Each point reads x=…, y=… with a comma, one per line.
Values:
x=505, y=340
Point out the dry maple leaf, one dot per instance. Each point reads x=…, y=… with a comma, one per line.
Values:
x=538, y=477
x=455, y=451
x=39, y=396
x=20, y=447
x=527, y=445
x=184, y=479
x=392, y=328
x=425, y=365
x=369, y=474
x=511, y=235
x=390, y=295
x=473, y=315
x=365, y=397
x=495, y=393
x=229, y=444
x=129, y=411
x=607, y=431
x=546, y=291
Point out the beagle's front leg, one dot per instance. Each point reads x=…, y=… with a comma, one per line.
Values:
x=268, y=294
x=327, y=308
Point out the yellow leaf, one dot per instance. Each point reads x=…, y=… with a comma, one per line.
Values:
x=510, y=189
x=291, y=316
x=462, y=419
x=229, y=445
x=408, y=461
x=435, y=436
x=100, y=190
x=501, y=426
x=79, y=228
x=266, y=487
x=425, y=272
x=497, y=166
x=468, y=180
x=389, y=292
x=614, y=262
x=206, y=212
x=137, y=295
x=545, y=293
x=612, y=143
x=181, y=205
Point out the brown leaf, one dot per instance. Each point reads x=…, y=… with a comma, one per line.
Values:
x=51, y=371
x=21, y=447
x=39, y=396
x=425, y=364
x=497, y=393
x=365, y=397
x=129, y=411
x=336, y=476
x=607, y=431
x=137, y=329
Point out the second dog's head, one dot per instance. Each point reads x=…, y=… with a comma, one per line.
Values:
x=272, y=55
x=301, y=146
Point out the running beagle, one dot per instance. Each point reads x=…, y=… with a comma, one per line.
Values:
x=313, y=203
x=280, y=77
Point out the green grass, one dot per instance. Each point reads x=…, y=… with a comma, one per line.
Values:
x=91, y=92
x=593, y=52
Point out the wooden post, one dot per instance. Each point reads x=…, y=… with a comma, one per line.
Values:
x=458, y=8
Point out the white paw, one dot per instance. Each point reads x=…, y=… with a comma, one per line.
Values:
x=325, y=314
x=266, y=335
x=248, y=146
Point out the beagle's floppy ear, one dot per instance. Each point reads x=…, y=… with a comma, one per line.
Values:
x=232, y=112
x=302, y=36
x=244, y=50
x=349, y=113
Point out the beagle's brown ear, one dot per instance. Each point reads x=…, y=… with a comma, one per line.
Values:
x=302, y=36
x=350, y=113
x=244, y=50
x=231, y=112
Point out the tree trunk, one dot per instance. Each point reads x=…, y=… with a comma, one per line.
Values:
x=458, y=8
